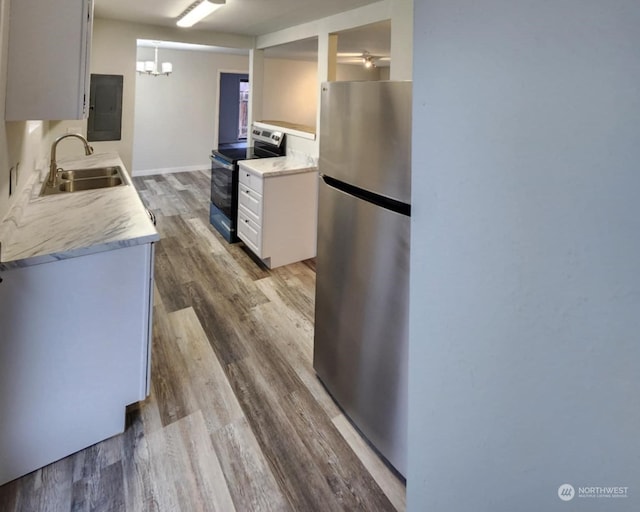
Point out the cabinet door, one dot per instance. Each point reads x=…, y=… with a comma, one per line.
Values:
x=249, y=232
x=251, y=180
x=48, y=59
x=251, y=200
x=74, y=352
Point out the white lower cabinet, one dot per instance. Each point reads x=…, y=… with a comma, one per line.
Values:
x=75, y=344
x=277, y=214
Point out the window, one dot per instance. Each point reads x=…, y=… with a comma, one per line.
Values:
x=243, y=110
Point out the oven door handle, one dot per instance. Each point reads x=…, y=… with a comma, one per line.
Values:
x=221, y=163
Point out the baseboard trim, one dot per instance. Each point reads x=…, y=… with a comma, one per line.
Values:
x=169, y=170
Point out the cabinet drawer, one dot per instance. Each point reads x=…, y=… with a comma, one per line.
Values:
x=251, y=180
x=250, y=199
x=249, y=232
x=250, y=215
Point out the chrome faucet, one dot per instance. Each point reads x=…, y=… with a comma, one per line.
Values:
x=53, y=167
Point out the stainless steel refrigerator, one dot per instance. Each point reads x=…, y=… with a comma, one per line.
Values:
x=362, y=265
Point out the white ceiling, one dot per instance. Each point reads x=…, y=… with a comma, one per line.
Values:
x=256, y=17
x=248, y=17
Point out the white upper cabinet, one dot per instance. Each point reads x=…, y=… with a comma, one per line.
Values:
x=48, y=59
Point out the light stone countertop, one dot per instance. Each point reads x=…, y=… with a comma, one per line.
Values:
x=280, y=165
x=43, y=229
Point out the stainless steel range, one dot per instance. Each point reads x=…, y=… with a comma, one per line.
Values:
x=223, y=211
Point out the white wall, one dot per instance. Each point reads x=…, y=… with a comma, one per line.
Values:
x=176, y=116
x=23, y=143
x=114, y=52
x=348, y=72
x=290, y=91
x=525, y=289
x=401, y=40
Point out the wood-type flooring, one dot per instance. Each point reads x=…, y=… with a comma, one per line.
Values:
x=236, y=419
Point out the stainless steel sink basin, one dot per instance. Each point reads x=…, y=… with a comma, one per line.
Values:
x=85, y=179
x=89, y=184
x=100, y=172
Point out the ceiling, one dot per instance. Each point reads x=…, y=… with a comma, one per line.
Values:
x=247, y=17
x=256, y=17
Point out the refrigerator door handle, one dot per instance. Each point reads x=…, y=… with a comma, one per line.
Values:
x=371, y=197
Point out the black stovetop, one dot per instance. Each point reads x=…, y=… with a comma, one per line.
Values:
x=233, y=154
x=239, y=151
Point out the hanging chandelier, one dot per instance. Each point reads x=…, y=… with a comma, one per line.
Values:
x=150, y=67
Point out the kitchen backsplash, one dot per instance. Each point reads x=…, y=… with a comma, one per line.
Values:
x=303, y=148
x=311, y=161
x=25, y=146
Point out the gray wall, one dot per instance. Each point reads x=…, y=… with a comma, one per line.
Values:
x=525, y=320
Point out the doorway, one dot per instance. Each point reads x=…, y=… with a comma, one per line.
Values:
x=233, y=112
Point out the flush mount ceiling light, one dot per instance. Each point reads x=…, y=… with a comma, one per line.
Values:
x=368, y=60
x=198, y=11
x=150, y=67
x=365, y=58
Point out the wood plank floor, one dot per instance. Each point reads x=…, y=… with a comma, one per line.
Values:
x=236, y=419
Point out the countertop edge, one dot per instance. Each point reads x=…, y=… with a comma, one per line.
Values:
x=286, y=166
x=75, y=253
x=30, y=201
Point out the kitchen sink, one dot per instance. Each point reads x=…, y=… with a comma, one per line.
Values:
x=89, y=184
x=99, y=172
x=77, y=180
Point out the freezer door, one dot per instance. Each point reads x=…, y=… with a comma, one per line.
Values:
x=365, y=136
x=361, y=323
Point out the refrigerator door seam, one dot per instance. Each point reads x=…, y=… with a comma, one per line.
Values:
x=371, y=197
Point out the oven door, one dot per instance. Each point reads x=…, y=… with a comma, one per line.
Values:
x=224, y=186
x=223, y=211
